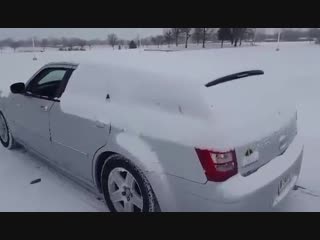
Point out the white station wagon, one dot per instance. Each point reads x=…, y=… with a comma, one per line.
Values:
x=152, y=142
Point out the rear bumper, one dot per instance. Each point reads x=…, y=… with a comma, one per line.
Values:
x=256, y=192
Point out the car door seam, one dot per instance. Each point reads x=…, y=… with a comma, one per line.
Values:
x=83, y=153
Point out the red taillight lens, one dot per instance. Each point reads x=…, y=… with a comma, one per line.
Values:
x=218, y=166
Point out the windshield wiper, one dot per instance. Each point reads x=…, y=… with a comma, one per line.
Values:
x=234, y=77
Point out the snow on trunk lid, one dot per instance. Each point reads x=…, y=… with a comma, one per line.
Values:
x=254, y=155
x=253, y=117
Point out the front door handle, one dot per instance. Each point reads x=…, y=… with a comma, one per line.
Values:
x=44, y=108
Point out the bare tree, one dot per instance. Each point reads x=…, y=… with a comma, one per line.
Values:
x=196, y=35
x=54, y=42
x=158, y=40
x=224, y=34
x=13, y=44
x=187, y=34
x=234, y=36
x=66, y=42
x=82, y=43
x=237, y=35
x=146, y=41
x=176, y=34
x=154, y=40
x=91, y=43
x=242, y=34
x=72, y=42
x=168, y=37
x=99, y=42
x=250, y=35
x=44, y=43
x=5, y=43
x=121, y=42
x=112, y=39
x=204, y=35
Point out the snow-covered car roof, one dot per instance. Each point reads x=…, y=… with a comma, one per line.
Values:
x=165, y=105
x=129, y=85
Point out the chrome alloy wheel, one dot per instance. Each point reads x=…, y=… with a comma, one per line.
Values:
x=124, y=191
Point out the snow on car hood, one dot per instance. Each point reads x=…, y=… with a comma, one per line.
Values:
x=174, y=109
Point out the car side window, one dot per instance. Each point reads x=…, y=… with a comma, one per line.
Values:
x=53, y=76
x=47, y=83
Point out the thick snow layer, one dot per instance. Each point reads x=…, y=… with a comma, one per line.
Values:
x=293, y=73
x=127, y=86
x=162, y=105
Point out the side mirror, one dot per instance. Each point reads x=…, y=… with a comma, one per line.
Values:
x=18, y=88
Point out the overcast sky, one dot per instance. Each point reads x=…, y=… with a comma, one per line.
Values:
x=86, y=33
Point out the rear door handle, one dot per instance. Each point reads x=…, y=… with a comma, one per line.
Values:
x=44, y=108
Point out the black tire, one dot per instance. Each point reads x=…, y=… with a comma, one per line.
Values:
x=150, y=203
x=9, y=143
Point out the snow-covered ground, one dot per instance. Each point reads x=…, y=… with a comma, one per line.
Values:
x=294, y=71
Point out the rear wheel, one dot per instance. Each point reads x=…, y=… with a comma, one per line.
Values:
x=6, y=138
x=125, y=187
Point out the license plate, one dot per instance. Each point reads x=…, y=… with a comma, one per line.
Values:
x=283, y=183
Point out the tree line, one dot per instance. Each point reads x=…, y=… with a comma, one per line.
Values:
x=176, y=36
x=171, y=36
x=201, y=36
x=63, y=42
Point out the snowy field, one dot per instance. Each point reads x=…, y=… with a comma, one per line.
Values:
x=294, y=70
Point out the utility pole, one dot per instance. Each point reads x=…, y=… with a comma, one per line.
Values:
x=139, y=41
x=254, y=37
x=34, y=57
x=278, y=45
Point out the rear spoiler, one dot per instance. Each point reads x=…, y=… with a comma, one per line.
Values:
x=234, y=77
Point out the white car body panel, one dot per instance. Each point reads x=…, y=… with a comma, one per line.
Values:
x=143, y=117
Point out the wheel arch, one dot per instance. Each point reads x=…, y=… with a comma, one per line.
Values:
x=140, y=152
x=98, y=164
x=105, y=153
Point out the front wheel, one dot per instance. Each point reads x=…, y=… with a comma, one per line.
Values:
x=125, y=187
x=6, y=138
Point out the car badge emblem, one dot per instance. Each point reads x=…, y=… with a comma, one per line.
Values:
x=248, y=152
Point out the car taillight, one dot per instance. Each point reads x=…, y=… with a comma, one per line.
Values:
x=218, y=166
